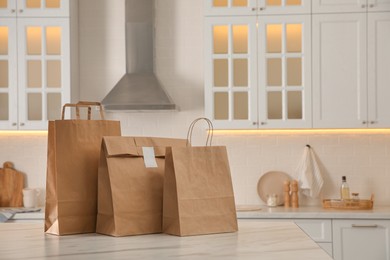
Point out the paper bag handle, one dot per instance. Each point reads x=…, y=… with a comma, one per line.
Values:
x=209, y=133
x=83, y=104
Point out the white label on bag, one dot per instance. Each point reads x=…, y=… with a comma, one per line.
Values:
x=149, y=158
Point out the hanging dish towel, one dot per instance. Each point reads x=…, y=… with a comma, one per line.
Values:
x=309, y=174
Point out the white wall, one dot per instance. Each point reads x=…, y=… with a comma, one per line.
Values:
x=363, y=158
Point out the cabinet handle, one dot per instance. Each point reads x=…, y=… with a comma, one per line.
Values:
x=364, y=122
x=13, y=10
x=14, y=124
x=363, y=6
x=263, y=123
x=261, y=8
x=21, y=124
x=364, y=226
x=372, y=122
x=20, y=10
x=372, y=5
x=254, y=123
x=253, y=9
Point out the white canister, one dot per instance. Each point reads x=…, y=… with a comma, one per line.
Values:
x=30, y=197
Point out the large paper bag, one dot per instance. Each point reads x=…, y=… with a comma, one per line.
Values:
x=72, y=167
x=198, y=192
x=130, y=184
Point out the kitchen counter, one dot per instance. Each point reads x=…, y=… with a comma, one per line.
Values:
x=252, y=212
x=254, y=240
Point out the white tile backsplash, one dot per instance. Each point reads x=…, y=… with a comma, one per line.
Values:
x=363, y=158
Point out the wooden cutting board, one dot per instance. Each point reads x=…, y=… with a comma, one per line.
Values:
x=11, y=186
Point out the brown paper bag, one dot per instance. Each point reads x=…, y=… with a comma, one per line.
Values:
x=130, y=186
x=72, y=167
x=198, y=191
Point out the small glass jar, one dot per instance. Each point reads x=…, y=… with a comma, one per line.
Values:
x=355, y=197
x=272, y=200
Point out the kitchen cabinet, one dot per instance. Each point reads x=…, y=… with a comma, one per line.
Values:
x=361, y=239
x=34, y=8
x=257, y=71
x=256, y=7
x=350, y=6
x=350, y=60
x=34, y=64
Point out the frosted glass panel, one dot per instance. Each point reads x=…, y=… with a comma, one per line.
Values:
x=274, y=72
x=53, y=106
x=241, y=105
x=4, y=106
x=274, y=2
x=294, y=72
x=240, y=39
x=221, y=73
x=240, y=2
x=274, y=38
x=34, y=101
x=34, y=74
x=3, y=4
x=221, y=39
x=294, y=105
x=34, y=40
x=293, y=2
x=240, y=68
x=53, y=40
x=3, y=40
x=53, y=69
x=33, y=3
x=294, y=37
x=53, y=3
x=221, y=106
x=274, y=105
x=4, y=74
x=220, y=3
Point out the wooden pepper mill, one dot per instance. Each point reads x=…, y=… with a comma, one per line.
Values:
x=294, y=194
x=286, y=189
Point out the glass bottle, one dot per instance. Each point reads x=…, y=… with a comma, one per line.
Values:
x=344, y=190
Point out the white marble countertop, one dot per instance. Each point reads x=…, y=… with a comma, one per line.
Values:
x=254, y=240
x=379, y=212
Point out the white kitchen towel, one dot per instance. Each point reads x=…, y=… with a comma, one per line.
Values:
x=309, y=175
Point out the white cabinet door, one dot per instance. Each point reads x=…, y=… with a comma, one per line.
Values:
x=361, y=239
x=8, y=74
x=43, y=69
x=284, y=54
x=230, y=71
x=339, y=71
x=287, y=7
x=378, y=69
x=8, y=8
x=229, y=7
x=42, y=8
x=349, y=6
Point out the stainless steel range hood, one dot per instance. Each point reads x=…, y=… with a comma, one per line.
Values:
x=139, y=88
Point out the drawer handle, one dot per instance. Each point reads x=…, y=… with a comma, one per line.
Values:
x=364, y=226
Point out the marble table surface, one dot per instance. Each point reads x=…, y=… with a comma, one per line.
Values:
x=254, y=240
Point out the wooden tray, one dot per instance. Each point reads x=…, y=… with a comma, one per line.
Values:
x=348, y=204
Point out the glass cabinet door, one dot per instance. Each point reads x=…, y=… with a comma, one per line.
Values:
x=284, y=7
x=43, y=61
x=8, y=74
x=230, y=7
x=284, y=87
x=231, y=85
x=7, y=8
x=42, y=8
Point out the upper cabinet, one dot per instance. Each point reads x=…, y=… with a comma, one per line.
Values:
x=350, y=70
x=34, y=8
x=34, y=69
x=350, y=6
x=257, y=71
x=256, y=7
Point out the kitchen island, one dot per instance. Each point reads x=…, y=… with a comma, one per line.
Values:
x=254, y=240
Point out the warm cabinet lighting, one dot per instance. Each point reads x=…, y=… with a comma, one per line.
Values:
x=301, y=131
